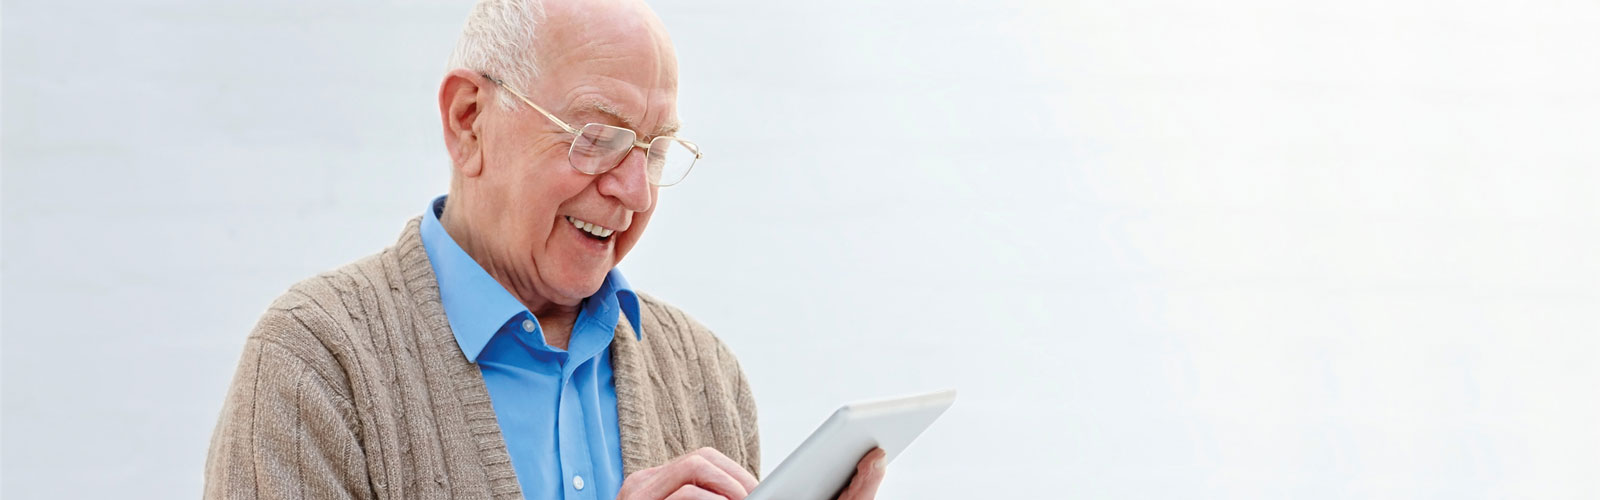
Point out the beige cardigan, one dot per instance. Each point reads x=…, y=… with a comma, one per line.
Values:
x=352, y=386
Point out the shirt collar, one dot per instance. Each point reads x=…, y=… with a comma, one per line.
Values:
x=477, y=306
x=616, y=285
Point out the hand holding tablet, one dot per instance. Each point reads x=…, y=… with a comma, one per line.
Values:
x=843, y=448
x=825, y=462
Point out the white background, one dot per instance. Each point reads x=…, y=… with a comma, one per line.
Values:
x=1164, y=249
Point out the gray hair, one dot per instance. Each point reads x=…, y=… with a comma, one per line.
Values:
x=498, y=40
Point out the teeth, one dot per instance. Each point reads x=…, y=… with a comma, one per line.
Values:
x=590, y=227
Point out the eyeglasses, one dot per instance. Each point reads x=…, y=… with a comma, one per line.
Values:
x=598, y=148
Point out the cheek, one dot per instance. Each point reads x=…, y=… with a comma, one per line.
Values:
x=535, y=188
x=522, y=166
x=524, y=214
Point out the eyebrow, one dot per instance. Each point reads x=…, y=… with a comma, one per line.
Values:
x=605, y=108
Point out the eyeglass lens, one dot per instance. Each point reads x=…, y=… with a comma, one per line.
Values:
x=599, y=148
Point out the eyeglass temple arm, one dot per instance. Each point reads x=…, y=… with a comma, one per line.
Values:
x=563, y=124
x=530, y=103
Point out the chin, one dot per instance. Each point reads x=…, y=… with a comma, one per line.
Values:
x=577, y=288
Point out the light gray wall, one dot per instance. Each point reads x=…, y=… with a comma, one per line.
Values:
x=1164, y=249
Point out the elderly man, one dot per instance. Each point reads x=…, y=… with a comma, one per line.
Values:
x=494, y=351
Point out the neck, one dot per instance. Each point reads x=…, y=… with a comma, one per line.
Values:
x=555, y=319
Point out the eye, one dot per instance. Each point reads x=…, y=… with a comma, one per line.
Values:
x=601, y=140
x=616, y=141
x=587, y=144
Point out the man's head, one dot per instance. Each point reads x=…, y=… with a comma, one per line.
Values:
x=512, y=191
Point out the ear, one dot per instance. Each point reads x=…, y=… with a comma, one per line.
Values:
x=463, y=97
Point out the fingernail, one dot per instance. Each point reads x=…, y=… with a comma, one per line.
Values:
x=880, y=464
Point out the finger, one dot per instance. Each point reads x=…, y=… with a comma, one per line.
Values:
x=695, y=470
x=869, y=475
x=712, y=477
x=729, y=466
x=636, y=481
x=692, y=492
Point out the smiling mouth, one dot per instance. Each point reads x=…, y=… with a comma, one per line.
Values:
x=593, y=231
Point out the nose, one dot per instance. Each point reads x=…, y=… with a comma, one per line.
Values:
x=628, y=182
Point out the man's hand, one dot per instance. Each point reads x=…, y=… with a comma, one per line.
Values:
x=707, y=474
x=703, y=474
x=869, y=474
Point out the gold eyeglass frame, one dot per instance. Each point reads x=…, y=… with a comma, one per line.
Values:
x=578, y=132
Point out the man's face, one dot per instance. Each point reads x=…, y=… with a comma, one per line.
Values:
x=614, y=69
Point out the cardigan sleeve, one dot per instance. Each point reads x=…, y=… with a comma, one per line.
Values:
x=285, y=431
x=744, y=402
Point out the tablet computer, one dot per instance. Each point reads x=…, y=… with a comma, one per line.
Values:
x=824, y=463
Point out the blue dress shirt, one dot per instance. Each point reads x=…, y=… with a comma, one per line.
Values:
x=557, y=409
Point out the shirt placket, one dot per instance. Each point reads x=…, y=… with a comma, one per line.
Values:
x=577, y=467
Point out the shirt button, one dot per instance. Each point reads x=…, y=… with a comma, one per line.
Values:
x=577, y=482
x=528, y=325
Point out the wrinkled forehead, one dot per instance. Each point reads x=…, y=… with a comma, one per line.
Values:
x=614, y=65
